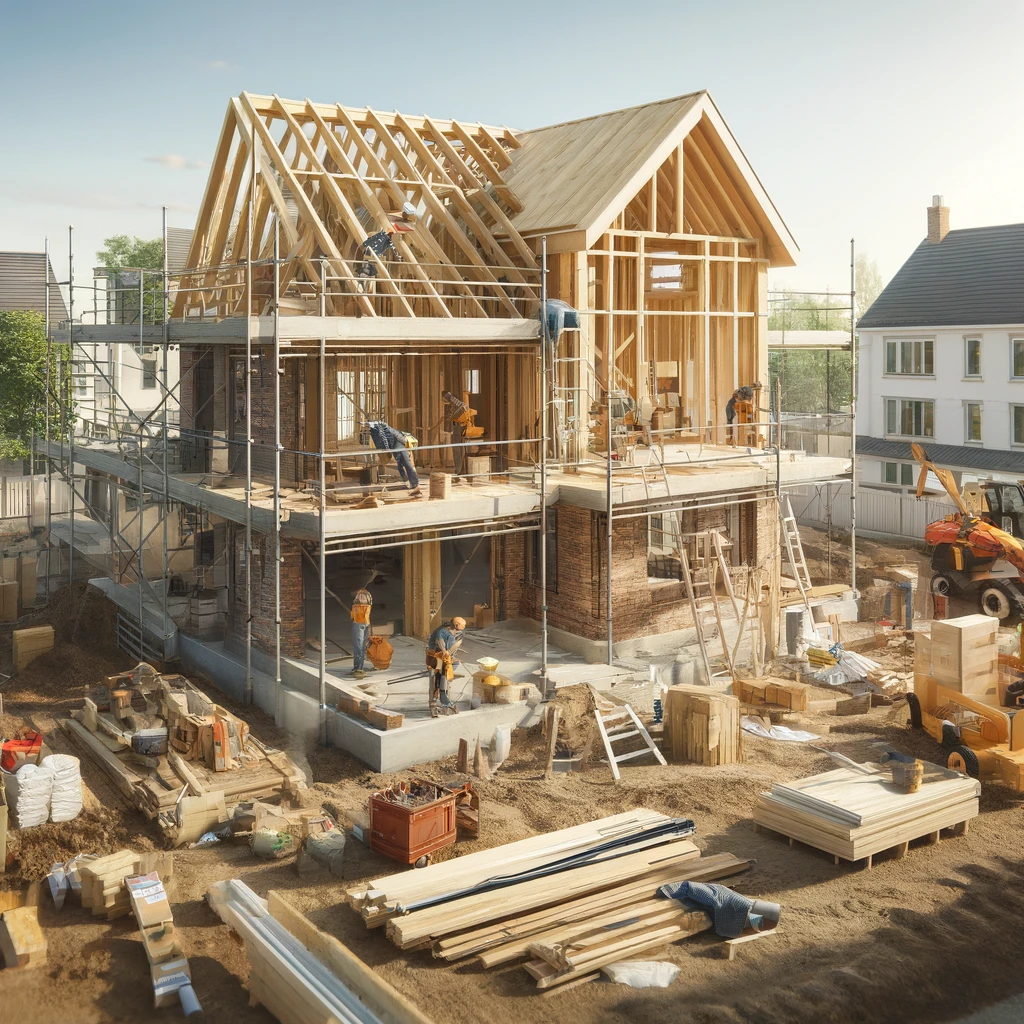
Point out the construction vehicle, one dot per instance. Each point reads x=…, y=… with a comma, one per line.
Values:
x=974, y=558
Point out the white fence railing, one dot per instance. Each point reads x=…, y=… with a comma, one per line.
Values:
x=886, y=512
x=15, y=500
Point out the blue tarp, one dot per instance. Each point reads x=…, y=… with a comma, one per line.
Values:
x=561, y=317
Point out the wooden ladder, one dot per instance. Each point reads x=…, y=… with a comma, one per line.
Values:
x=621, y=723
x=795, y=550
x=702, y=591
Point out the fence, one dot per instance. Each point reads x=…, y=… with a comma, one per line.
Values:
x=14, y=497
x=889, y=513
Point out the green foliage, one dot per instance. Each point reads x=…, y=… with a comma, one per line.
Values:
x=122, y=253
x=812, y=381
x=23, y=381
x=869, y=283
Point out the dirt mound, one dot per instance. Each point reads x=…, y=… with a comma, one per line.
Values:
x=31, y=851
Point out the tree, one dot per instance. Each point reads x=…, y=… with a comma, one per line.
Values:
x=869, y=282
x=23, y=381
x=120, y=256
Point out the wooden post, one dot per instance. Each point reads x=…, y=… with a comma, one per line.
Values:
x=422, y=571
x=554, y=714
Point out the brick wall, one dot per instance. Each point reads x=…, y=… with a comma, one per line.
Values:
x=263, y=418
x=293, y=613
x=188, y=357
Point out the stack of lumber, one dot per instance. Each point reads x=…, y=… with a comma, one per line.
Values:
x=301, y=974
x=964, y=655
x=702, y=725
x=379, y=899
x=8, y=600
x=367, y=711
x=571, y=921
x=890, y=683
x=103, y=880
x=30, y=643
x=854, y=814
x=772, y=690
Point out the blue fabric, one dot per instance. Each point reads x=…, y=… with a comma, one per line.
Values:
x=406, y=470
x=729, y=910
x=360, y=638
x=561, y=317
x=443, y=634
x=385, y=437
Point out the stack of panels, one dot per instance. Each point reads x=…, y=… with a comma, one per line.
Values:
x=965, y=654
x=853, y=815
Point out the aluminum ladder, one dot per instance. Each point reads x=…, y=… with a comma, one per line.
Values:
x=795, y=551
x=620, y=724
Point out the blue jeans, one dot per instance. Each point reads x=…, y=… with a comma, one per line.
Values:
x=406, y=470
x=360, y=638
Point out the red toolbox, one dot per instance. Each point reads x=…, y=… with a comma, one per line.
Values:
x=412, y=820
x=15, y=753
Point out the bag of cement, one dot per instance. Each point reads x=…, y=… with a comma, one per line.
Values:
x=642, y=973
x=380, y=652
x=272, y=845
x=66, y=792
x=327, y=848
x=28, y=793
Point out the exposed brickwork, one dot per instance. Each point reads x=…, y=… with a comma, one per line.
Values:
x=293, y=614
x=263, y=419
x=188, y=356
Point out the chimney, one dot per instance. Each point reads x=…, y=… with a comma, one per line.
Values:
x=938, y=221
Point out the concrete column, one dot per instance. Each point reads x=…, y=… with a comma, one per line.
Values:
x=422, y=573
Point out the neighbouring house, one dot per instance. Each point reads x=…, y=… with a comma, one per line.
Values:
x=410, y=263
x=23, y=284
x=942, y=359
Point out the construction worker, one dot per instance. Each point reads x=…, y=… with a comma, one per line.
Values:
x=387, y=439
x=361, y=604
x=743, y=394
x=456, y=412
x=441, y=648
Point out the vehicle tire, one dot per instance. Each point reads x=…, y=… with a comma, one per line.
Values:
x=423, y=861
x=994, y=601
x=950, y=737
x=963, y=759
x=914, y=703
x=942, y=584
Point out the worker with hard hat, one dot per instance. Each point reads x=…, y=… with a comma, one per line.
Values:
x=387, y=438
x=361, y=604
x=441, y=648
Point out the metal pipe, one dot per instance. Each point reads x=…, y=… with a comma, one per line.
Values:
x=49, y=463
x=71, y=431
x=277, y=471
x=544, y=470
x=853, y=419
x=322, y=434
x=430, y=540
x=248, y=435
x=609, y=358
x=167, y=494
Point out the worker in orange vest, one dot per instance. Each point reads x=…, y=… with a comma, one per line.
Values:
x=361, y=604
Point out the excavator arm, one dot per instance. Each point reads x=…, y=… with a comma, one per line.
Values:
x=944, y=476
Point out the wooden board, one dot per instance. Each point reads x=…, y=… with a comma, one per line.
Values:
x=702, y=726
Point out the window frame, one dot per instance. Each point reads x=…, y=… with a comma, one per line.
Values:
x=885, y=473
x=1014, y=406
x=901, y=412
x=921, y=351
x=904, y=467
x=970, y=339
x=968, y=405
x=1014, y=341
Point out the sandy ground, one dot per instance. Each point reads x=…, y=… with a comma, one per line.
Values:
x=928, y=938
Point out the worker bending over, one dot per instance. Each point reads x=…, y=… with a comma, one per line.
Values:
x=361, y=604
x=441, y=648
x=387, y=439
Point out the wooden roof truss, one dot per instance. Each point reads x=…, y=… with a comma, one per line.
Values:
x=328, y=177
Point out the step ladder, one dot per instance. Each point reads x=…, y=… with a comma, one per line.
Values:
x=621, y=723
x=747, y=613
x=702, y=592
x=795, y=551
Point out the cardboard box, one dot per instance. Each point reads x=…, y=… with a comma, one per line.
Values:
x=149, y=900
x=168, y=977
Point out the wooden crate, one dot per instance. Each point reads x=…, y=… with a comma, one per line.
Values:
x=8, y=601
x=27, y=580
x=965, y=654
x=702, y=725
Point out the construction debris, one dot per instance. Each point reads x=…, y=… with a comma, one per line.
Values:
x=855, y=812
x=103, y=880
x=299, y=973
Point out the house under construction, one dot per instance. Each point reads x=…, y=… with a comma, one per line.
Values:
x=591, y=297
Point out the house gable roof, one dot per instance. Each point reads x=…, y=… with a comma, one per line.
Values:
x=23, y=286
x=579, y=175
x=973, y=277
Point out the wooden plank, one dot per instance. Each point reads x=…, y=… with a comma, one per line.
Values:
x=389, y=1004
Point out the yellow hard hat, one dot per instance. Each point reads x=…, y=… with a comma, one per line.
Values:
x=458, y=622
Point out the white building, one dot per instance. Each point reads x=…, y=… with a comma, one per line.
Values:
x=942, y=359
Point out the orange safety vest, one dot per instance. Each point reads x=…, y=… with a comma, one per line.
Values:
x=361, y=608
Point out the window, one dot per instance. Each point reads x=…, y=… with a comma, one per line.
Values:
x=889, y=471
x=533, y=560
x=1017, y=348
x=972, y=424
x=471, y=381
x=148, y=373
x=972, y=357
x=906, y=474
x=1018, y=423
x=910, y=417
x=346, y=405
x=911, y=356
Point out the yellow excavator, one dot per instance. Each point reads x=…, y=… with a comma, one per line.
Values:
x=975, y=559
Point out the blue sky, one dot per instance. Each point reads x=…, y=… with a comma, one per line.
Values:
x=852, y=115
